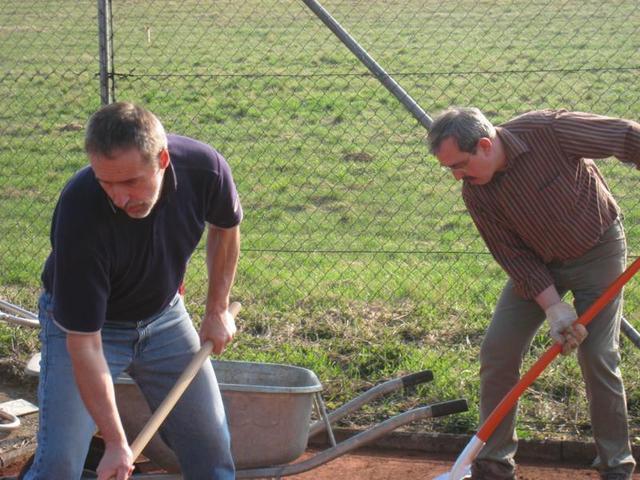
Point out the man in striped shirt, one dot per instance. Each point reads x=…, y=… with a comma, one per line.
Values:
x=548, y=218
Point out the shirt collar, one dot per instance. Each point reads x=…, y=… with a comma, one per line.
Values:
x=514, y=147
x=169, y=183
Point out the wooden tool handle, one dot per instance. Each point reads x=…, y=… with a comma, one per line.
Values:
x=175, y=393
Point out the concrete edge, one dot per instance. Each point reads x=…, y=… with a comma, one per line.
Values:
x=548, y=451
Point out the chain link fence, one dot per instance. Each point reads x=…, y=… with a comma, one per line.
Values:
x=357, y=249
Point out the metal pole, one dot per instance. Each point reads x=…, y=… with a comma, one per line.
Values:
x=632, y=334
x=390, y=84
x=106, y=48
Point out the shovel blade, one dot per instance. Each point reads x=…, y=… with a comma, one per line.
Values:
x=462, y=468
x=455, y=476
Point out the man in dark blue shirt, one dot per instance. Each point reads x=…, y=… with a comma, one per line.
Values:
x=122, y=234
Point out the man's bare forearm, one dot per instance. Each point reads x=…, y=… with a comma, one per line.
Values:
x=223, y=251
x=96, y=389
x=95, y=384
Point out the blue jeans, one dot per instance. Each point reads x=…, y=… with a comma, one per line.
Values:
x=154, y=352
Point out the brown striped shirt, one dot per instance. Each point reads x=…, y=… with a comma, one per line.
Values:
x=551, y=203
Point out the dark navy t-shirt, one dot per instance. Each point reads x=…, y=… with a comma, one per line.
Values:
x=107, y=266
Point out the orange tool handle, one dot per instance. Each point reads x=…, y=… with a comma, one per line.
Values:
x=510, y=399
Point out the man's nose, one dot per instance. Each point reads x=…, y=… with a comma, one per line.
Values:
x=458, y=174
x=119, y=195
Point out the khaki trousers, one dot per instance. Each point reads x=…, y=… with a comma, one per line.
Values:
x=514, y=325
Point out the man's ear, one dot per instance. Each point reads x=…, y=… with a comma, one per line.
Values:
x=164, y=158
x=485, y=144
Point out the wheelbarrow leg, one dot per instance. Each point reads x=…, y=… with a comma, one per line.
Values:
x=322, y=413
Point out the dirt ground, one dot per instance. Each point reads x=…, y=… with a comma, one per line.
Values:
x=377, y=465
x=386, y=465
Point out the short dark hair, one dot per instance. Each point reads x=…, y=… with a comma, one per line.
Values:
x=465, y=125
x=125, y=125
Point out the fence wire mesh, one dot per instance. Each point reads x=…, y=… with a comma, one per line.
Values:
x=358, y=259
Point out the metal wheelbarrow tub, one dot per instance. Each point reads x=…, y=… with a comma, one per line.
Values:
x=268, y=409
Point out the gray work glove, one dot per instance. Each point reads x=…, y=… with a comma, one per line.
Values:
x=561, y=317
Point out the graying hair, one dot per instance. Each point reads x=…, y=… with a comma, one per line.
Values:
x=124, y=125
x=465, y=125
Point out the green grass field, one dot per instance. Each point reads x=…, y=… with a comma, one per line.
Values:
x=359, y=260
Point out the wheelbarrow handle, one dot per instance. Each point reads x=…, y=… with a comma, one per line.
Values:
x=417, y=378
x=406, y=381
x=449, y=407
x=175, y=393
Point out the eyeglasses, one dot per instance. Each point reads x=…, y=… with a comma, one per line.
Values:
x=458, y=166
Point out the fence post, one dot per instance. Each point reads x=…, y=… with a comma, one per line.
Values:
x=105, y=36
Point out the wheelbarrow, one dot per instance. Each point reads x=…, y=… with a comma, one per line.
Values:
x=269, y=411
